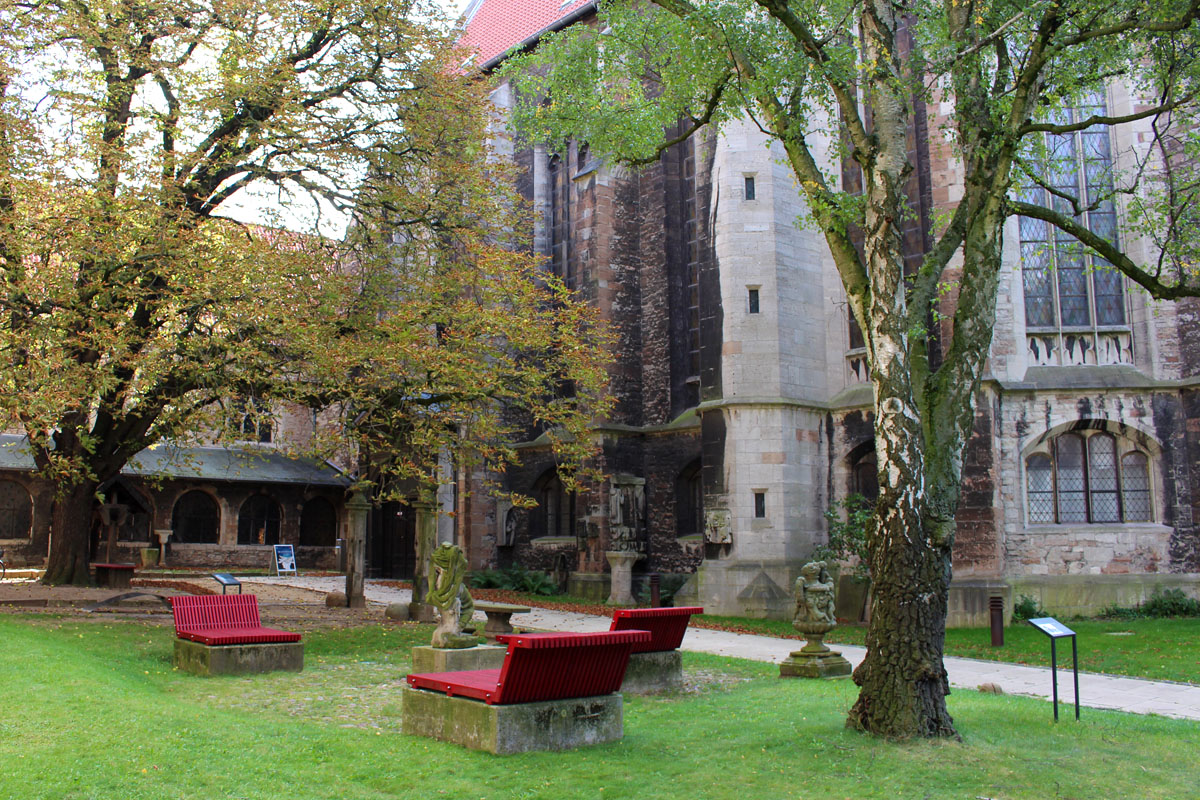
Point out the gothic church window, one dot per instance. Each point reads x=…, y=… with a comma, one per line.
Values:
x=1072, y=296
x=1087, y=476
x=562, y=261
x=555, y=514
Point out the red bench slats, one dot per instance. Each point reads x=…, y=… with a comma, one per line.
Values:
x=544, y=666
x=479, y=684
x=223, y=619
x=666, y=625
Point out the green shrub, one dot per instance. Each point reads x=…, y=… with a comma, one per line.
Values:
x=1027, y=608
x=1171, y=603
x=513, y=579
x=1120, y=612
x=848, y=537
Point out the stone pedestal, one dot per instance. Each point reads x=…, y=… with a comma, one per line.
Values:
x=358, y=507
x=516, y=728
x=621, y=564
x=817, y=662
x=232, y=659
x=438, y=659
x=648, y=673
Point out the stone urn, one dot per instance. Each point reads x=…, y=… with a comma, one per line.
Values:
x=814, y=618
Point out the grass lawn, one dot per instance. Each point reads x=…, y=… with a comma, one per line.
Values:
x=1163, y=649
x=94, y=710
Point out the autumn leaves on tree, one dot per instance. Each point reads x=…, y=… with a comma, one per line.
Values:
x=133, y=309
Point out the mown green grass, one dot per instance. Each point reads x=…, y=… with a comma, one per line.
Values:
x=94, y=710
x=1162, y=649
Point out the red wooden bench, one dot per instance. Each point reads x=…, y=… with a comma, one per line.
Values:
x=223, y=619
x=543, y=666
x=666, y=625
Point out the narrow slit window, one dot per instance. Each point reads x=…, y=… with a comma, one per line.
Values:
x=760, y=505
x=750, y=195
x=752, y=300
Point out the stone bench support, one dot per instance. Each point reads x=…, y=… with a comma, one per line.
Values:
x=233, y=659
x=440, y=659
x=513, y=728
x=648, y=673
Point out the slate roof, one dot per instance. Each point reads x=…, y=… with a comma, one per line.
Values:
x=249, y=465
x=492, y=27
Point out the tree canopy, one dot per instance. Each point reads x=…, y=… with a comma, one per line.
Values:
x=133, y=306
x=837, y=84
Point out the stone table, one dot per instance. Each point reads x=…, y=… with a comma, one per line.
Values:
x=498, y=615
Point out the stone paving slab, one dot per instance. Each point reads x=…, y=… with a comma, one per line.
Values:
x=1135, y=695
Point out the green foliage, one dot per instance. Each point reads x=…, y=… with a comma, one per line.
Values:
x=133, y=306
x=1027, y=607
x=1171, y=603
x=514, y=579
x=1164, y=603
x=849, y=522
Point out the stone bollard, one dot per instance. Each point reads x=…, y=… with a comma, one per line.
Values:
x=336, y=599
x=397, y=612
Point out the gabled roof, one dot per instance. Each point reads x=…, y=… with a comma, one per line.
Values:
x=493, y=27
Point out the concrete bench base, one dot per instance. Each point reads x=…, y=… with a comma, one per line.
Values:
x=516, y=728
x=648, y=673
x=439, y=659
x=232, y=659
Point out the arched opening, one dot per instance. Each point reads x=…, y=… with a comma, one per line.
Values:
x=864, y=471
x=318, y=523
x=689, y=501
x=196, y=519
x=16, y=511
x=258, y=521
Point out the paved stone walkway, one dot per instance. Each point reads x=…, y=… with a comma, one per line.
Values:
x=1134, y=695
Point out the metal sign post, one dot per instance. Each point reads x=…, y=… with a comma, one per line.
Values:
x=1056, y=630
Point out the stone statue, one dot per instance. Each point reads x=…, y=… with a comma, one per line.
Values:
x=449, y=594
x=814, y=596
x=627, y=514
x=814, y=617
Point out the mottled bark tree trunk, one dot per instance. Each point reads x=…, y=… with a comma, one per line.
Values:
x=70, y=530
x=903, y=681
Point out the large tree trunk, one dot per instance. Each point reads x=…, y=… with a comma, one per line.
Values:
x=70, y=531
x=904, y=684
x=903, y=680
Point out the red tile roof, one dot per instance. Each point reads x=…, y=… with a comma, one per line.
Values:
x=494, y=26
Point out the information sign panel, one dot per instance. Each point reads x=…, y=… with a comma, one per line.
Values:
x=285, y=559
x=226, y=580
x=1056, y=630
x=1051, y=627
